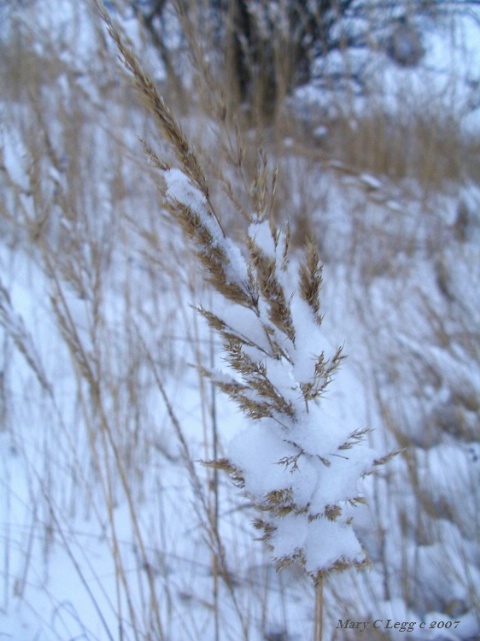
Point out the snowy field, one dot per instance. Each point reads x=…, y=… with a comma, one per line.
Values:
x=111, y=528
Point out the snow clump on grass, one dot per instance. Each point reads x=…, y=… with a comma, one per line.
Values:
x=299, y=469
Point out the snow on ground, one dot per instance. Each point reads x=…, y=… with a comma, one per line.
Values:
x=89, y=542
x=446, y=76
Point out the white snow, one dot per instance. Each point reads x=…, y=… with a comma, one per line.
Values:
x=180, y=188
x=410, y=334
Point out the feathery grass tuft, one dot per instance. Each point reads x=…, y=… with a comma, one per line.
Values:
x=290, y=459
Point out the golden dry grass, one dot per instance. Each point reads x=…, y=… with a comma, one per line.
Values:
x=84, y=237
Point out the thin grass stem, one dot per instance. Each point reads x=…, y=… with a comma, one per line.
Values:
x=319, y=585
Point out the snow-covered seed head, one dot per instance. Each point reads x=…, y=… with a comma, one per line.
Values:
x=298, y=467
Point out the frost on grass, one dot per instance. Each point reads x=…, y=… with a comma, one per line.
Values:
x=300, y=469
